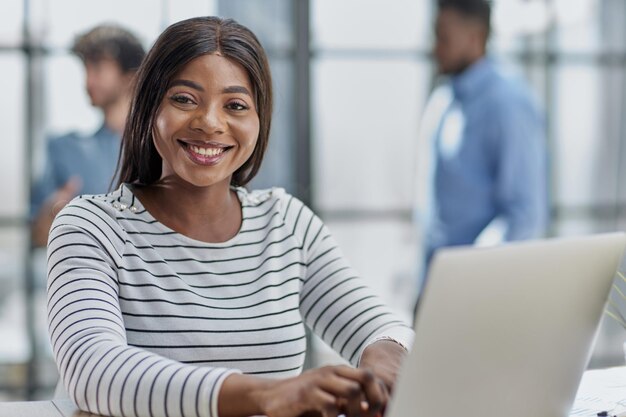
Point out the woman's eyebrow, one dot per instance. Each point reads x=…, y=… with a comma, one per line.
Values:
x=233, y=89
x=236, y=89
x=187, y=83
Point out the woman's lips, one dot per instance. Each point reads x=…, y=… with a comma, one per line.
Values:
x=205, y=154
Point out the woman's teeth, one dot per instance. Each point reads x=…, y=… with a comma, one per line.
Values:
x=206, y=151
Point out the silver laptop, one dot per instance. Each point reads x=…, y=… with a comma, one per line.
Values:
x=507, y=331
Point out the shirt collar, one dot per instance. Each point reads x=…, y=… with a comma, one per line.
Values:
x=472, y=79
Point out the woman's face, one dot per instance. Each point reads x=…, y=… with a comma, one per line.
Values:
x=207, y=124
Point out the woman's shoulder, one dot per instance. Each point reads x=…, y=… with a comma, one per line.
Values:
x=261, y=197
x=99, y=206
x=91, y=220
x=270, y=201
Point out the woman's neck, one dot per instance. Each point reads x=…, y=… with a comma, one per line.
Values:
x=210, y=214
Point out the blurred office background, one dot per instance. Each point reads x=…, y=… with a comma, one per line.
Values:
x=352, y=78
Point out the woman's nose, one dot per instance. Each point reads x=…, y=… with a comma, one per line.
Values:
x=209, y=120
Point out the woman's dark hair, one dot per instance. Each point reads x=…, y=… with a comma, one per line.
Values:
x=139, y=162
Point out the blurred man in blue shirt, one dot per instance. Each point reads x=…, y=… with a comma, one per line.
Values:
x=487, y=139
x=85, y=164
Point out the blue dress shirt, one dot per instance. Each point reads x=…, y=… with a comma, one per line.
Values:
x=491, y=160
x=91, y=158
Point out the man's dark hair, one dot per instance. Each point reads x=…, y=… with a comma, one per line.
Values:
x=478, y=10
x=110, y=42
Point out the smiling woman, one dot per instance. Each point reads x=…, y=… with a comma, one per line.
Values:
x=244, y=62
x=183, y=293
x=207, y=118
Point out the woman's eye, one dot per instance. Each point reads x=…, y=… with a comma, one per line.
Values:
x=178, y=98
x=237, y=105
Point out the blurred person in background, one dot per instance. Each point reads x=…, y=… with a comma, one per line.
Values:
x=483, y=142
x=79, y=164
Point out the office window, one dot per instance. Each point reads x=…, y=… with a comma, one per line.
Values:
x=364, y=121
x=576, y=29
x=270, y=20
x=370, y=24
x=279, y=164
x=15, y=347
x=11, y=18
x=12, y=84
x=577, y=137
x=143, y=17
x=178, y=10
x=370, y=77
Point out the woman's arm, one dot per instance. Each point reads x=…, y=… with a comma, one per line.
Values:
x=340, y=307
x=101, y=372
x=384, y=358
x=334, y=301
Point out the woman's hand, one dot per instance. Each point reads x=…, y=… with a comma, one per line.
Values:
x=329, y=392
x=384, y=358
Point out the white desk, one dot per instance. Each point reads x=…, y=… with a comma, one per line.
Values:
x=55, y=408
x=601, y=390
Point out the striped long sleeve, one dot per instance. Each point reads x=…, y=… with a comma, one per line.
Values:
x=148, y=322
x=100, y=371
x=335, y=302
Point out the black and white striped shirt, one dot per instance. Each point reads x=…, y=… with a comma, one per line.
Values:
x=145, y=321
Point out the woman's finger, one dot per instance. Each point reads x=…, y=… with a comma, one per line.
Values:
x=372, y=396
